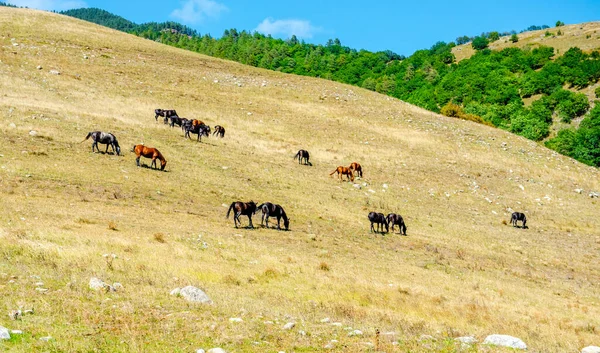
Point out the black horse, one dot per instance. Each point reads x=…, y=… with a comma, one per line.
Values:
x=242, y=208
x=105, y=138
x=175, y=120
x=219, y=131
x=273, y=210
x=303, y=155
x=380, y=220
x=197, y=129
x=165, y=113
x=518, y=216
x=396, y=219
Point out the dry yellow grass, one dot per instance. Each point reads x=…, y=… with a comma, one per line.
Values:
x=460, y=271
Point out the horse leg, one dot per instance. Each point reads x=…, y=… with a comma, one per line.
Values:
x=236, y=218
x=96, y=145
x=153, y=162
x=137, y=161
x=250, y=220
x=372, y=229
x=278, y=220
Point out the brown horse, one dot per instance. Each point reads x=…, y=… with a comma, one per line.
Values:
x=197, y=122
x=355, y=167
x=273, y=210
x=396, y=219
x=242, y=208
x=219, y=131
x=343, y=171
x=149, y=152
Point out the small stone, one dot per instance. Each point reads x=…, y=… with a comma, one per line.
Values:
x=200, y=350
x=4, y=334
x=42, y=290
x=46, y=338
x=235, y=319
x=505, y=341
x=16, y=332
x=12, y=125
x=33, y=133
x=579, y=191
x=325, y=320
x=96, y=283
x=216, y=350
x=39, y=67
x=467, y=340
x=176, y=291
x=591, y=349
x=302, y=333
x=338, y=324
x=54, y=72
x=385, y=186
x=117, y=286
x=355, y=333
x=289, y=326
x=193, y=294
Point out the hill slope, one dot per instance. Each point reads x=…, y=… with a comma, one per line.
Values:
x=460, y=271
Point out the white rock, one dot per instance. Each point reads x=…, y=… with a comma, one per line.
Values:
x=12, y=125
x=39, y=67
x=522, y=187
x=176, y=291
x=355, y=333
x=54, y=72
x=216, y=350
x=325, y=320
x=46, y=338
x=505, y=341
x=97, y=283
x=591, y=349
x=235, y=319
x=338, y=324
x=200, y=350
x=32, y=133
x=594, y=195
x=385, y=186
x=466, y=340
x=193, y=294
x=302, y=333
x=289, y=326
x=16, y=332
x=4, y=334
x=117, y=286
x=579, y=191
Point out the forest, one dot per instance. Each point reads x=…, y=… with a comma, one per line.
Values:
x=490, y=87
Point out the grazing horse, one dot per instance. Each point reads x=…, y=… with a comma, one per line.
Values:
x=104, y=138
x=343, y=171
x=355, y=167
x=165, y=113
x=380, y=220
x=242, y=208
x=219, y=131
x=396, y=219
x=175, y=120
x=273, y=210
x=149, y=152
x=197, y=129
x=303, y=155
x=518, y=216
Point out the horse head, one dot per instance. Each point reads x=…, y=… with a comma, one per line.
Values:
x=286, y=223
x=163, y=164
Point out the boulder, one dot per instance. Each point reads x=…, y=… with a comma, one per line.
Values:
x=4, y=333
x=196, y=295
x=97, y=283
x=505, y=341
x=591, y=349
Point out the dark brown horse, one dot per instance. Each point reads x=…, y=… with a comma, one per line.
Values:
x=273, y=210
x=105, y=138
x=303, y=155
x=198, y=130
x=379, y=219
x=149, y=152
x=242, y=208
x=396, y=219
x=343, y=171
x=355, y=167
x=518, y=216
x=165, y=113
x=219, y=131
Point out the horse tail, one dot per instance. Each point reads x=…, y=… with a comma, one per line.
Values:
x=87, y=137
x=333, y=172
x=259, y=207
x=230, y=208
x=297, y=156
x=403, y=226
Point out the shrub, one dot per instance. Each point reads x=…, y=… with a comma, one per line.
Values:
x=559, y=23
x=480, y=43
x=494, y=36
x=514, y=38
x=597, y=91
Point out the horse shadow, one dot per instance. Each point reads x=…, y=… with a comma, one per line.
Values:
x=143, y=165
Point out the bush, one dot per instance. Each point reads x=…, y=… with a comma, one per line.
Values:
x=597, y=91
x=559, y=23
x=494, y=36
x=480, y=43
x=514, y=38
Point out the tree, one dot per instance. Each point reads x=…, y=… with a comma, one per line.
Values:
x=514, y=38
x=597, y=91
x=480, y=43
x=559, y=23
x=494, y=36
x=463, y=40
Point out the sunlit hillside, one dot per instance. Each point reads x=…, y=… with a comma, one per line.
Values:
x=461, y=271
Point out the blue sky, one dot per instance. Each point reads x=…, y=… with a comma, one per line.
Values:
x=400, y=26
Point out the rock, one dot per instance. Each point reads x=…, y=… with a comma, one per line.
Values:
x=54, y=72
x=289, y=326
x=357, y=186
x=591, y=349
x=594, y=195
x=338, y=324
x=46, y=338
x=39, y=67
x=200, y=351
x=4, y=334
x=325, y=320
x=193, y=294
x=32, y=133
x=355, y=333
x=176, y=291
x=235, y=319
x=505, y=341
x=97, y=283
x=216, y=350
x=385, y=186
x=117, y=286
x=16, y=332
x=466, y=340
x=12, y=125
x=579, y=191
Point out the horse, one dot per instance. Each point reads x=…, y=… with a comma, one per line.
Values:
x=355, y=167
x=105, y=138
x=219, y=131
x=303, y=155
x=197, y=129
x=343, y=171
x=242, y=208
x=175, y=120
x=518, y=216
x=396, y=219
x=149, y=152
x=273, y=210
x=380, y=220
x=165, y=113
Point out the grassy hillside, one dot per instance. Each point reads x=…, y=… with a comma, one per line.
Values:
x=460, y=271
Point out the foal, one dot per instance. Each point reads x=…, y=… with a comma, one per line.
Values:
x=343, y=171
x=273, y=210
x=219, y=131
x=104, y=138
x=149, y=152
x=379, y=219
x=242, y=208
x=303, y=155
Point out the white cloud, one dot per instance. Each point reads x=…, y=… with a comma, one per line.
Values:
x=287, y=28
x=195, y=11
x=58, y=5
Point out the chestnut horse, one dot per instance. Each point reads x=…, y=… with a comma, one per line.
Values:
x=149, y=152
x=355, y=167
x=273, y=210
x=242, y=208
x=219, y=131
x=303, y=155
x=379, y=219
x=105, y=138
x=343, y=171
x=396, y=219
